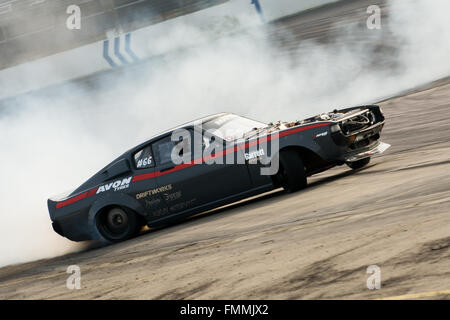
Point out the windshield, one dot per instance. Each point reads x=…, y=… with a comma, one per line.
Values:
x=231, y=127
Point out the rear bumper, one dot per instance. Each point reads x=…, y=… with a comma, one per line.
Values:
x=57, y=228
x=74, y=227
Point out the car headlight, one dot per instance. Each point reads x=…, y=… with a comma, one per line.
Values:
x=372, y=117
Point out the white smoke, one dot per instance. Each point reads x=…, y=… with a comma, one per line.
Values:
x=54, y=140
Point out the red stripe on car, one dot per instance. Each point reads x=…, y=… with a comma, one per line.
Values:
x=71, y=200
x=151, y=175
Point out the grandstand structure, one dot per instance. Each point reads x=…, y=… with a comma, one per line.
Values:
x=32, y=29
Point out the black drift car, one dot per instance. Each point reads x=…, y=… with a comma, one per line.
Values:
x=148, y=186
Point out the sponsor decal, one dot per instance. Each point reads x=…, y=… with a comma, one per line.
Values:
x=323, y=134
x=160, y=212
x=116, y=185
x=254, y=154
x=182, y=205
x=172, y=196
x=153, y=191
x=152, y=203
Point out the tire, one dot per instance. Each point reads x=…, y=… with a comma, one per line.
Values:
x=118, y=224
x=358, y=164
x=291, y=173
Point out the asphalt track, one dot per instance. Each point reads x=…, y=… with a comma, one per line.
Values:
x=314, y=244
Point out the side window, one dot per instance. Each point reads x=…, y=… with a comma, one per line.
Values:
x=143, y=159
x=163, y=149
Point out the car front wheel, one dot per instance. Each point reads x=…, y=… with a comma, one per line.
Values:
x=291, y=173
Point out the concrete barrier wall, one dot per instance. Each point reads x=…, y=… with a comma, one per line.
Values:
x=119, y=50
x=33, y=29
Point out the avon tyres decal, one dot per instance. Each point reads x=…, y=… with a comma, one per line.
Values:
x=116, y=185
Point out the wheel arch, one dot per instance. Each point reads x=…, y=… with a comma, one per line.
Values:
x=311, y=159
x=109, y=201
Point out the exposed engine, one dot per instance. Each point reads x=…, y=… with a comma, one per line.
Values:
x=350, y=122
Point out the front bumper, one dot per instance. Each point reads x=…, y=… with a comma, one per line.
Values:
x=380, y=147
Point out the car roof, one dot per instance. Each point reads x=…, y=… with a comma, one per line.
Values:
x=191, y=123
x=184, y=125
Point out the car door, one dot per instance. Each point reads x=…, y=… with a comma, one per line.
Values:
x=186, y=187
x=145, y=188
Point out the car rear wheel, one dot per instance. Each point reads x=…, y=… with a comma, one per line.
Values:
x=291, y=173
x=117, y=224
x=358, y=164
